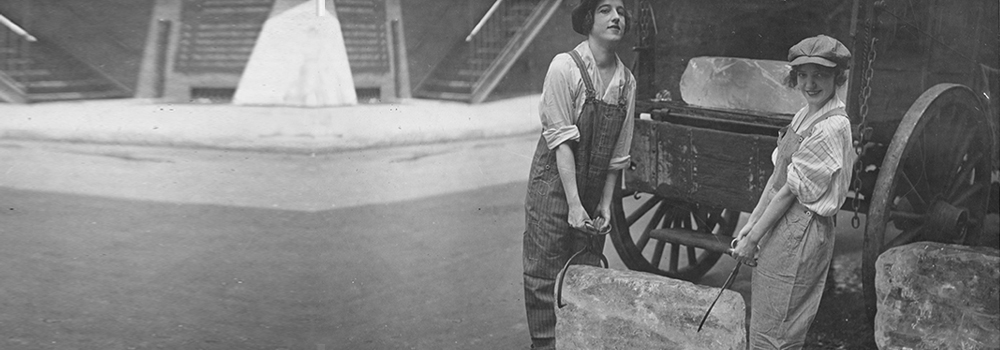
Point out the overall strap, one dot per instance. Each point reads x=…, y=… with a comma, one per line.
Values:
x=622, y=97
x=830, y=113
x=591, y=92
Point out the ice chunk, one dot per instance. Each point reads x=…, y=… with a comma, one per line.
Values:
x=740, y=83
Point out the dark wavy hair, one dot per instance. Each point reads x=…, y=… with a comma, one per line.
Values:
x=839, y=75
x=588, y=20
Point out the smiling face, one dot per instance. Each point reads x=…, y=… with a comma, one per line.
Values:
x=609, y=20
x=816, y=84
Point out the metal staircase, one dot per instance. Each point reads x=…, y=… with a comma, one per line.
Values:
x=35, y=70
x=362, y=23
x=475, y=65
x=218, y=36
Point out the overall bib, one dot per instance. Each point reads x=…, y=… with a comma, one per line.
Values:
x=549, y=241
x=792, y=264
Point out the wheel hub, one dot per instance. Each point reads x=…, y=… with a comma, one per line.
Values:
x=946, y=223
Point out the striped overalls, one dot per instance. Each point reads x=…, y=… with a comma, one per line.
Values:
x=792, y=264
x=549, y=241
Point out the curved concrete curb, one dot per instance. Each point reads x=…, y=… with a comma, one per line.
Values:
x=274, y=128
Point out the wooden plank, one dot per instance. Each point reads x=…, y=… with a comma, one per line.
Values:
x=642, y=174
x=710, y=242
x=725, y=168
x=674, y=161
x=706, y=166
x=678, y=108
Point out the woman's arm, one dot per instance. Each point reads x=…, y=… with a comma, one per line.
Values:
x=566, y=163
x=757, y=210
x=746, y=248
x=604, y=208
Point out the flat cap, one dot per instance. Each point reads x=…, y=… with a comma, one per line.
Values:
x=821, y=50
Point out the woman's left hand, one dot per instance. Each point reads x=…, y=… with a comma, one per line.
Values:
x=746, y=252
x=602, y=223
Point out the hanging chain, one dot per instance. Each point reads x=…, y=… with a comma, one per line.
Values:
x=645, y=18
x=644, y=43
x=863, y=129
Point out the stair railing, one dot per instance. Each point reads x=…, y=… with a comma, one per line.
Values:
x=15, y=48
x=493, y=32
x=489, y=51
x=504, y=37
x=486, y=17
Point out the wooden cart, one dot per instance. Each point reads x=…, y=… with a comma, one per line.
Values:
x=921, y=76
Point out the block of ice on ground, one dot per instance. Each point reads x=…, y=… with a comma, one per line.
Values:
x=739, y=83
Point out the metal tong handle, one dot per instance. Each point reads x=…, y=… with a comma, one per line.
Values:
x=729, y=282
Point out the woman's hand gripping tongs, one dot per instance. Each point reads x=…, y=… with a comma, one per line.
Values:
x=595, y=230
x=729, y=282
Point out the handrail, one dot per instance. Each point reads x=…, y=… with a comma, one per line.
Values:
x=482, y=21
x=17, y=29
x=516, y=45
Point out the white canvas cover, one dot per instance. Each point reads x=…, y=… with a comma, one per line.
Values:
x=299, y=60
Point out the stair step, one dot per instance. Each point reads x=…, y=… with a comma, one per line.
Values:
x=223, y=49
x=228, y=26
x=706, y=241
x=228, y=42
x=18, y=60
x=450, y=83
x=475, y=73
x=438, y=95
x=206, y=34
x=88, y=95
x=75, y=83
x=237, y=3
x=489, y=50
x=467, y=64
x=25, y=73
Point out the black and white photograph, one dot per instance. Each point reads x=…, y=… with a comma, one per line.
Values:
x=499, y=174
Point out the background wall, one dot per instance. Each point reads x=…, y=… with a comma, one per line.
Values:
x=107, y=34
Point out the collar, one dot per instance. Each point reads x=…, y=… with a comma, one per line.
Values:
x=617, y=80
x=801, y=118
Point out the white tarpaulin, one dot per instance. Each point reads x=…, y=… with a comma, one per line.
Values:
x=298, y=60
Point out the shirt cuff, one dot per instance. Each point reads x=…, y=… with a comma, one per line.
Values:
x=619, y=163
x=556, y=137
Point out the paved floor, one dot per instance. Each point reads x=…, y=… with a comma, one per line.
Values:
x=225, y=126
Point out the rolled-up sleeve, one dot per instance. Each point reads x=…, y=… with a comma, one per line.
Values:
x=818, y=159
x=620, y=156
x=557, y=104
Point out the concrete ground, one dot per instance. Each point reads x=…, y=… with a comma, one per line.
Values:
x=268, y=128
x=303, y=131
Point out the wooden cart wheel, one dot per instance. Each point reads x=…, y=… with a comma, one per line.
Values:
x=934, y=182
x=638, y=214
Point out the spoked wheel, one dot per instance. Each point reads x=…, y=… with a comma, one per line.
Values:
x=934, y=182
x=638, y=219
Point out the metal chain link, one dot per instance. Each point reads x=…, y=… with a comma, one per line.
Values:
x=864, y=131
x=645, y=18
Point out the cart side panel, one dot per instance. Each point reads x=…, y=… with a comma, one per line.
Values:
x=639, y=176
x=698, y=165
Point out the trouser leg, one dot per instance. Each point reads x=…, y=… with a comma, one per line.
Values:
x=539, y=302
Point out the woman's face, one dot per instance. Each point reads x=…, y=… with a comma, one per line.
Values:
x=816, y=84
x=609, y=20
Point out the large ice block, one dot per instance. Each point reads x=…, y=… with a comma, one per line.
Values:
x=740, y=83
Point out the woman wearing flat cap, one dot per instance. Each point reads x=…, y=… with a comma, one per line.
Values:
x=586, y=108
x=790, y=231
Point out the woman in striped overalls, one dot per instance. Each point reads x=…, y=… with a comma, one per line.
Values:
x=792, y=225
x=586, y=108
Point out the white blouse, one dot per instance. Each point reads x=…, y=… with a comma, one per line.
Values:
x=563, y=95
